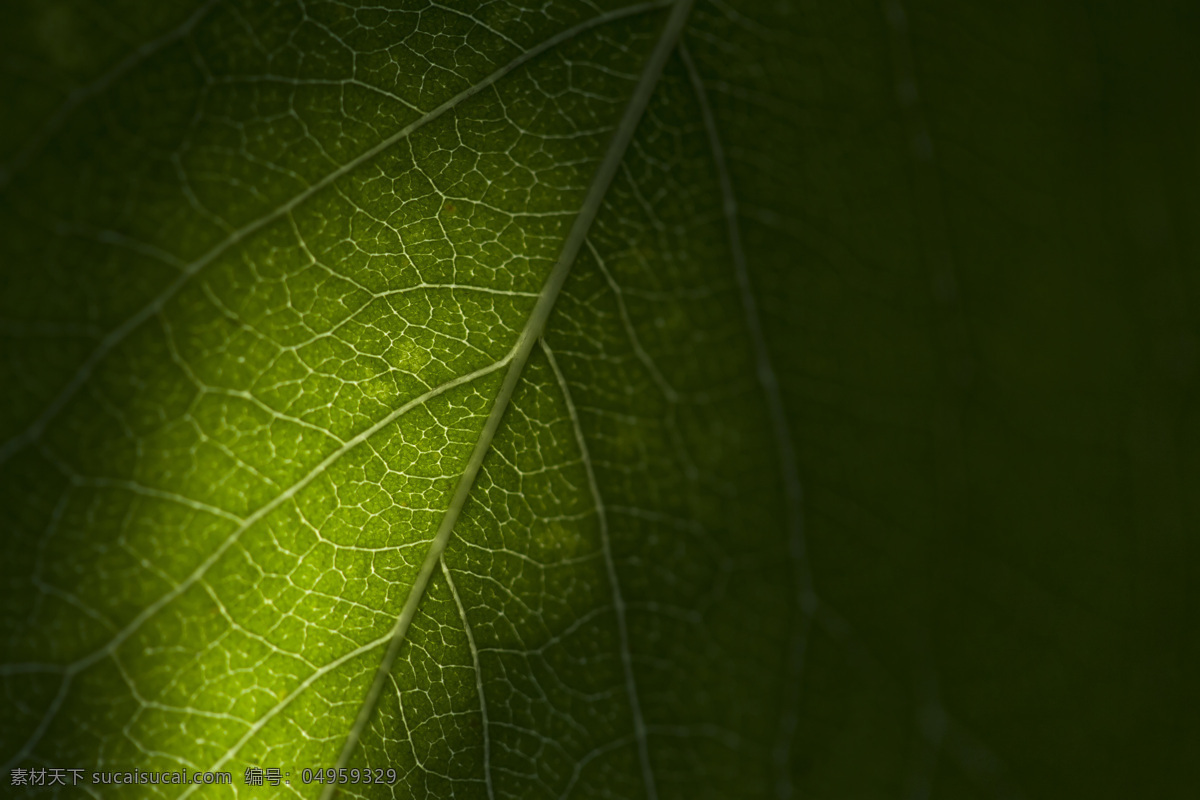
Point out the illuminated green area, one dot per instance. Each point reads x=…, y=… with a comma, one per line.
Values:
x=852, y=459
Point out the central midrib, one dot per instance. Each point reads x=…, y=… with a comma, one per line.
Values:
x=529, y=336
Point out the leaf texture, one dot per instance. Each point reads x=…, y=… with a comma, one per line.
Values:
x=429, y=387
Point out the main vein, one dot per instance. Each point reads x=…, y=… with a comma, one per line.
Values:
x=529, y=336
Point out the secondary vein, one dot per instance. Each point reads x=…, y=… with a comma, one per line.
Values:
x=805, y=593
x=639, y=722
x=117, y=335
x=71, y=670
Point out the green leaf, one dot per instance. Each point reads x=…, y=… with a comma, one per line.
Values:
x=653, y=400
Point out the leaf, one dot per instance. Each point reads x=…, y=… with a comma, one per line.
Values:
x=590, y=400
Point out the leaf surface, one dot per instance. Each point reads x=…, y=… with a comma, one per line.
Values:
x=583, y=400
